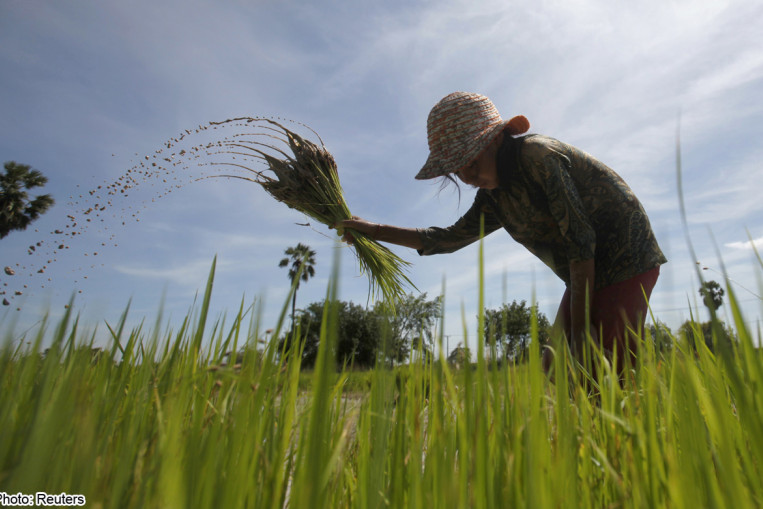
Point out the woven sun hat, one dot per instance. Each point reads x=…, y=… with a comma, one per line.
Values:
x=459, y=128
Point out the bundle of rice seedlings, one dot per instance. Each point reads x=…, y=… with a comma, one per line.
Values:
x=307, y=180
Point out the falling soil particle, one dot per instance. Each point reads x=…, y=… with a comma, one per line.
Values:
x=158, y=169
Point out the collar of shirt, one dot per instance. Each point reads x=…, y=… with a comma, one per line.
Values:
x=507, y=159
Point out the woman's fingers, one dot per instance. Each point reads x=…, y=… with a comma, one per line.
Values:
x=347, y=226
x=344, y=228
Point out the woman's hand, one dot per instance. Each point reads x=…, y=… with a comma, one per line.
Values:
x=345, y=227
x=408, y=237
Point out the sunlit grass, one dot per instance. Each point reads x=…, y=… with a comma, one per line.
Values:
x=160, y=421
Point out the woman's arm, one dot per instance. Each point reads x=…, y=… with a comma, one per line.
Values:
x=432, y=240
x=408, y=237
x=582, y=276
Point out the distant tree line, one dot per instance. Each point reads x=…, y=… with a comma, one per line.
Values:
x=509, y=329
x=367, y=334
x=712, y=333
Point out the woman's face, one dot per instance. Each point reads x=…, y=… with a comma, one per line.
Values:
x=482, y=173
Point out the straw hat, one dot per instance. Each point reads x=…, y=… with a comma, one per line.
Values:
x=459, y=128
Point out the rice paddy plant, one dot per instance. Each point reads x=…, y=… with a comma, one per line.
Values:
x=304, y=176
x=157, y=419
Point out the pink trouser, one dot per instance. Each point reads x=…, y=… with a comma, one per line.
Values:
x=614, y=308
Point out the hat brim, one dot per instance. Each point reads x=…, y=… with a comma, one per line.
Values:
x=435, y=166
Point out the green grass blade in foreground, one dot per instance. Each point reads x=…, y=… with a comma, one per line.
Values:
x=312, y=468
x=482, y=483
x=200, y=326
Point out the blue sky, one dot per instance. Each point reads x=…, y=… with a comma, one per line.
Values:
x=90, y=88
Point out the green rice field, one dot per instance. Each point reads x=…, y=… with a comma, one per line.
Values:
x=158, y=419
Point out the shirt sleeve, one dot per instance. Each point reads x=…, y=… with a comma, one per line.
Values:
x=463, y=232
x=550, y=169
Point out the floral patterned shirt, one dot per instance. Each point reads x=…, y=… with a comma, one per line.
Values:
x=563, y=206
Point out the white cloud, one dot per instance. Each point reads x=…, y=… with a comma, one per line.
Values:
x=737, y=71
x=747, y=245
x=185, y=274
x=727, y=190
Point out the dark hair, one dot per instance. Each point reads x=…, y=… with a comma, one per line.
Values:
x=447, y=179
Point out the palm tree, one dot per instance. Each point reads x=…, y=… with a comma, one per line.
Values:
x=712, y=294
x=16, y=210
x=302, y=260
